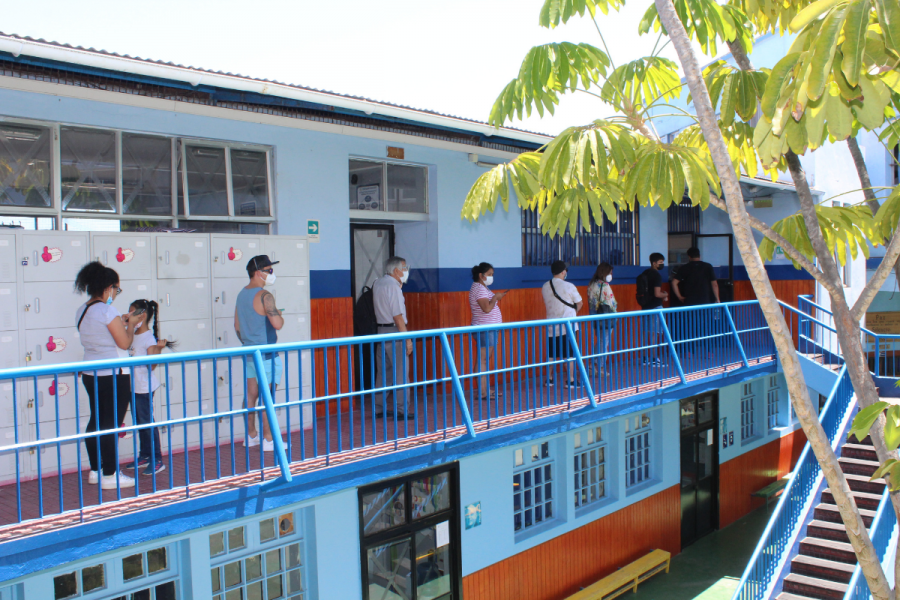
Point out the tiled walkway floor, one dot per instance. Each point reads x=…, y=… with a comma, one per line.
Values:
x=710, y=568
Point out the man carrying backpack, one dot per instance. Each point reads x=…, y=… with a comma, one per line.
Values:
x=650, y=296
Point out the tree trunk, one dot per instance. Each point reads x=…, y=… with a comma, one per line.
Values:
x=737, y=213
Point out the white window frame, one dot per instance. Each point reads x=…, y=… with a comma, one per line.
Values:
x=748, y=413
x=524, y=466
x=773, y=402
x=55, y=210
x=639, y=433
x=596, y=448
x=384, y=214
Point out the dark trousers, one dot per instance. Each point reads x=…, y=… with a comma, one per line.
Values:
x=109, y=401
x=143, y=414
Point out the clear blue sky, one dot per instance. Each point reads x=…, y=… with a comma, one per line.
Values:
x=453, y=57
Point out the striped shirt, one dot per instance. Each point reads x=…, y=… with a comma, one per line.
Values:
x=479, y=317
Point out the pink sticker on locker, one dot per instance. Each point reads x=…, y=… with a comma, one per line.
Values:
x=55, y=344
x=125, y=255
x=51, y=255
x=234, y=254
x=63, y=388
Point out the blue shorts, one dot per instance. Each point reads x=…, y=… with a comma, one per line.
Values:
x=487, y=339
x=267, y=365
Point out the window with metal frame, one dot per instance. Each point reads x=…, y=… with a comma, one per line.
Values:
x=150, y=574
x=772, y=401
x=748, y=412
x=638, y=440
x=409, y=537
x=379, y=186
x=590, y=466
x=534, y=471
x=113, y=180
x=262, y=560
x=616, y=243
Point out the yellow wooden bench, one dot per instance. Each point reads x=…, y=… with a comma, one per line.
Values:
x=626, y=578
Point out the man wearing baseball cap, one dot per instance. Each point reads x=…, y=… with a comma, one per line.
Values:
x=256, y=321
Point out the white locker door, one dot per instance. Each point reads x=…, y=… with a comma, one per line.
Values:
x=46, y=409
x=9, y=308
x=191, y=336
x=182, y=256
x=292, y=294
x=8, y=260
x=292, y=395
x=137, y=289
x=65, y=456
x=50, y=304
x=225, y=292
x=183, y=299
x=130, y=255
x=53, y=256
x=229, y=371
x=296, y=328
x=13, y=409
x=291, y=252
x=232, y=253
x=53, y=346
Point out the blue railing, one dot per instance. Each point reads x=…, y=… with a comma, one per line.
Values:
x=881, y=531
x=778, y=538
x=333, y=403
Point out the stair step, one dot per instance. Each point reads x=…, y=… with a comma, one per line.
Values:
x=822, y=568
x=866, y=442
x=859, y=451
x=827, y=530
x=861, y=483
x=814, y=588
x=857, y=466
x=863, y=500
x=828, y=549
x=829, y=512
x=787, y=596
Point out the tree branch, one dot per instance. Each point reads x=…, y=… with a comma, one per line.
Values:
x=890, y=262
x=863, y=172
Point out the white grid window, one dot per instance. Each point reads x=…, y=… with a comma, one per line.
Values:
x=772, y=402
x=147, y=575
x=748, y=414
x=637, y=449
x=590, y=466
x=533, y=484
x=253, y=561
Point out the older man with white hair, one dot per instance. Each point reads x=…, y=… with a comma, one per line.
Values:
x=391, y=358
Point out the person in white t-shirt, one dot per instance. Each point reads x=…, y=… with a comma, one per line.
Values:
x=103, y=331
x=562, y=301
x=145, y=384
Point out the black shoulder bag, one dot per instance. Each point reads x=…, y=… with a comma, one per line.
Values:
x=569, y=304
x=89, y=304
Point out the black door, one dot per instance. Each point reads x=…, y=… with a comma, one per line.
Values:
x=699, y=467
x=409, y=537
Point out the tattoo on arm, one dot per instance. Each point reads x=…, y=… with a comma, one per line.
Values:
x=268, y=301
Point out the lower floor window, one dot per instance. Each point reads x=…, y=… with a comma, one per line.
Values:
x=637, y=449
x=275, y=573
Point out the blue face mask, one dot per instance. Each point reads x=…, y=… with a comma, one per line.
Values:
x=109, y=300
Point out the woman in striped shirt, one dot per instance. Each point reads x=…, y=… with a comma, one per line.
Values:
x=485, y=311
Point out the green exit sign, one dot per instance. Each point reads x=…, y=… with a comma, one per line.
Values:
x=312, y=231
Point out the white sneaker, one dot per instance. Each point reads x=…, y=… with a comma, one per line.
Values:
x=93, y=477
x=108, y=482
x=253, y=442
x=268, y=445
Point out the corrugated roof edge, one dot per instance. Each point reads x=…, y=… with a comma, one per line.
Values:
x=66, y=53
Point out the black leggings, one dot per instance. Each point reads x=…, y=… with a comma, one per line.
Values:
x=109, y=408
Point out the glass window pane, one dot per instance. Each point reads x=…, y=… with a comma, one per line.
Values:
x=233, y=574
x=293, y=555
x=273, y=561
x=253, y=567
x=249, y=183
x=146, y=175
x=430, y=495
x=156, y=560
x=295, y=581
x=389, y=573
x=406, y=188
x=65, y=586
x=166, y=591
x=366, y=185
x=92, y=578
x=88, y=169
x=132, y=566
x=255, y=591
x=267, y=530
x=216, y=577
x=237, y=594
x=433, y=567
x=207, y=183
x=274, y=588
x=217, y=543
x=25, y=166
x=384, y=509
x=141, y=595
x=29, y=223
x=69, y=224
x=235, y=539
x=224, y=227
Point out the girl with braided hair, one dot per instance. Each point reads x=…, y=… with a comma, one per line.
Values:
x=145, y=384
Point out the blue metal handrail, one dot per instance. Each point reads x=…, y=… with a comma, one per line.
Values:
x=883, y=528
x=774, y=545
x=332, y=400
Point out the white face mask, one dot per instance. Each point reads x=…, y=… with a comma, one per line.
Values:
x=270, y=279
x=404, y=275
x=489, y=280
x=609, y=278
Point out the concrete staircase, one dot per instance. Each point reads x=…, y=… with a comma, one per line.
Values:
x=825, y=561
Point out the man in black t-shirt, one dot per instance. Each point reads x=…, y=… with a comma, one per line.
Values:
x=651, y=326
x=695, y=282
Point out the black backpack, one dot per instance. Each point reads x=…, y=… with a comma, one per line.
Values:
x=364, y=320
x=643, y=290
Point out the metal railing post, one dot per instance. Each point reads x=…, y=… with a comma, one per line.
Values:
x=266, y=394
x=877, y=355
x=737, y=337
x=581, y=370
x=457, y=386
x=665, y=329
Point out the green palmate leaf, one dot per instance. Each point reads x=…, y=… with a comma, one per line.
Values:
x=892, y=428
x=520, y=174
x=661, y=172
x=838, y=116
x=889, y=18
x=865, y=418
x=546, y=72
x=707, y=22
x=579, y=207
x=739, y=91
x=586, y=156
x=640, y=82
x=854, y=46
x=811, y=13
x=554, y=12
x=876, y=97
x=776, y=82
x=823, y=51
x=772, y=16
x=888, y=215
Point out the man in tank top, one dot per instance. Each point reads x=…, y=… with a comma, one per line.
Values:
x=256, y=321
